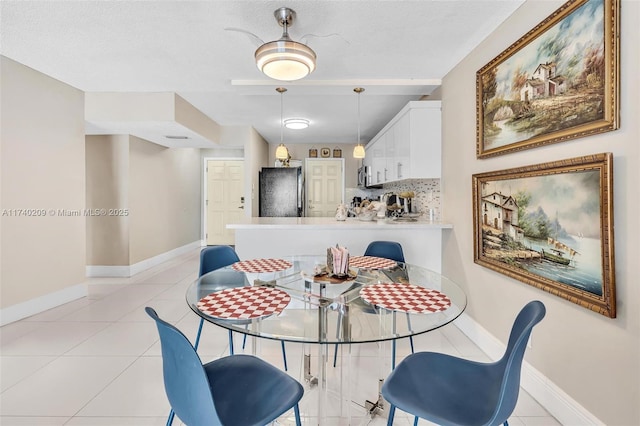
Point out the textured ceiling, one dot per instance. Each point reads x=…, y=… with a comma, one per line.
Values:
x=397, y=50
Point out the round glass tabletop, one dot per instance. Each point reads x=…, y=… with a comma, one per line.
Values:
x=323, y=309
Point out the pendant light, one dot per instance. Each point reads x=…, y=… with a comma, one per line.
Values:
x=358, y=151
x=281, y=152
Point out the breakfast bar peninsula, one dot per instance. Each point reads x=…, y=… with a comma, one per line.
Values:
x=260, y=237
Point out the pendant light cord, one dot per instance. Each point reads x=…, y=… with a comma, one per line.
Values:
x=359, y=117
x=282, y=153
x=358, y=151
x=281, y=90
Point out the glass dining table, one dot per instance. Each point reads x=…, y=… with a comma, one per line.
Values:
x=294, y=299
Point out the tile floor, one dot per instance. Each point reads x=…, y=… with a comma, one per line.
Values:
x=96, y=361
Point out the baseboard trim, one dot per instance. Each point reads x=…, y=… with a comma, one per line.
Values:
x=130, y=270
x=108, y=271
x=42, y=303
x=560, y=405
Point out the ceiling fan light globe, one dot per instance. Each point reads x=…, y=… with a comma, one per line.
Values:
x=285, y=60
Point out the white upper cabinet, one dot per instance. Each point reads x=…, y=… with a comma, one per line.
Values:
x=376, y=150
x=425, y=141
x=409, y=146
x=390, y=154
x=401, y=162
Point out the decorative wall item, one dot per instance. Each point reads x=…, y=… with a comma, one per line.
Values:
x=337, y=153
x=560, y=81
x=313, y=153
x=325, y=153
x=550, y=226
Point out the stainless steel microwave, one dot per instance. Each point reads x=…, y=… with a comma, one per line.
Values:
x=364, y=176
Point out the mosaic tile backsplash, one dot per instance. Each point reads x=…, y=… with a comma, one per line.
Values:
x=427, y=194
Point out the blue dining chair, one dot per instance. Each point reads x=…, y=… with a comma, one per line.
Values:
x=387, y=250
x=237, y=389
x=216, y=257
x=448, y=390
x=212, y=258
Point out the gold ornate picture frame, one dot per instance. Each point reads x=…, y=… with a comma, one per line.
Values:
x=560, y=81
x=551, y=226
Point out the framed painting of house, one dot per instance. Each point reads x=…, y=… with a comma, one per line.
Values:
x=550, y=226
x=560, y=81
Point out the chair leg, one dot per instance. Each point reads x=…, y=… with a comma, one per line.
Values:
x=410, y=337
x=335, y=355
x=195, y=346
x=296, y=410
x=171, y=416
x=284, y=356
x=244, y=339
x=393, y=355
x=506, y=423
x=230, y=342
x=392, y=412
x=415, y=421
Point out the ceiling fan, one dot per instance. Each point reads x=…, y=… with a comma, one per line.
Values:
x=283, y=59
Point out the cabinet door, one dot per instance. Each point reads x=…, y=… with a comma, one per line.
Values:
x=402, y=161
x=378, y=161
x=390, y=155
x=426, y=149
x=368, y=155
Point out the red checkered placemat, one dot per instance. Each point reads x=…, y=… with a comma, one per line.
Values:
x=371, y=262
x=244, y=302
x=408, y=298
x=261, y=265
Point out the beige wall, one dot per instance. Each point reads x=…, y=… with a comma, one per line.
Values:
x=258, y=151
x=164, y=198
x=43, y=167
x=107, y=160
x=594, y=359
x=158, y=187
x=194, y=119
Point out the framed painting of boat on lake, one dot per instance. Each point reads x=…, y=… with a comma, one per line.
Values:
x=550, y=226
x=560, y=81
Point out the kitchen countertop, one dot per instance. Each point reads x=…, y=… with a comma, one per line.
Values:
x=310, y=223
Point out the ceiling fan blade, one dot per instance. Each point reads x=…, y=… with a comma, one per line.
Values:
x=304, y=39
x=257, y=41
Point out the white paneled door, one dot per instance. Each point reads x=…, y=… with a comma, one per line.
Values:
x=224, y=199
x=324, y=186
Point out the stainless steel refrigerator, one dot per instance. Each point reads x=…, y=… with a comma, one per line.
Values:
x=281, y=192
